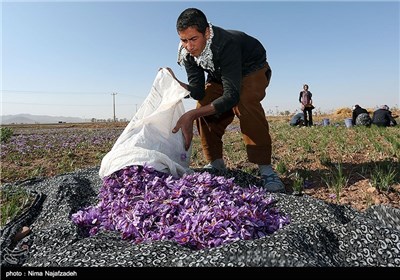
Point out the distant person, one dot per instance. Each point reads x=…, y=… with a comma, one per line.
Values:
x=306, y=102
x=297, y=120
x=360, y=116
x=383, y=117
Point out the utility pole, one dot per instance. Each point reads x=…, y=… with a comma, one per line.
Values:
x=114, y=94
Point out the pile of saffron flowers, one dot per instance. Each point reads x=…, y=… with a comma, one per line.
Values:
x=198, y=211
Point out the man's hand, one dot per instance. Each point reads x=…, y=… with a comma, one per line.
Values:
x=185, y=123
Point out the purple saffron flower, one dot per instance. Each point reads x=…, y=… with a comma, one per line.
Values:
x=199, y=210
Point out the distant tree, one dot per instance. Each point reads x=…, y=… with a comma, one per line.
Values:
x=270, y=112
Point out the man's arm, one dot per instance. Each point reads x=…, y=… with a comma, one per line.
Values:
x=185, y=122
x=354, y=116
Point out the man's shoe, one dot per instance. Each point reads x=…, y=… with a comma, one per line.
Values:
x=272, y=183
x=218, y=165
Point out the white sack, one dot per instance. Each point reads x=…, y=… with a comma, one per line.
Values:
x=148, y=137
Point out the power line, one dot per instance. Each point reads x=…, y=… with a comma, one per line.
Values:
x=63, y=92
x=73, y=105
x=50, y=92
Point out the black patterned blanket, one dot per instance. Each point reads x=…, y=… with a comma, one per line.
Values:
x=319, y=235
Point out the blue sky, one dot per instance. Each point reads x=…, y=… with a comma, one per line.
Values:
x=68, y=58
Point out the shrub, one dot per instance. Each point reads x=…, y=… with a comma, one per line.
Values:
x=6, y=134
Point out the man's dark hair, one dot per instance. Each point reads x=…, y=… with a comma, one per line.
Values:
x=192, y=17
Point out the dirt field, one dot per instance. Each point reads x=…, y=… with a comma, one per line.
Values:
x=358, y=192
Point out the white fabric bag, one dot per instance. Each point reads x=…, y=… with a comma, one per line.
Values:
x=148, y=137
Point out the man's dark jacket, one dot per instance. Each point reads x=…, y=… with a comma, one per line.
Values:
x=235, y=55
x=382, y=117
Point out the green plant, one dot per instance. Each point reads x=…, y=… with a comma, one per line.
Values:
x=6, y=134
x=369, y=199
x=308, y=148
x=298, y=183
x=336, y=180
x=100, y=154
x=325, y=159
x=281, y=167
x=13, y=202
x=37, y=172
x=383, y=176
